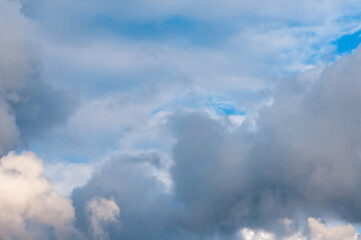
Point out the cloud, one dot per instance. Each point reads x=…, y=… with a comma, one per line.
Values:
x=30, y=208
x=66, y=176
x=133, y=185
x=40, y=213
x=101, y=211
x=317, y=231
x=248, y=234
x=29, y=107
x=302, y=160
x=320, y=231
x=156, y=55
x=16, y=65
x=122, y=76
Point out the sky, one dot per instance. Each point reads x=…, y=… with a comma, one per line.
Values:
x=180, y=120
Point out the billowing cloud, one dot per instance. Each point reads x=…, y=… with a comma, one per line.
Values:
x=321, y=232
x=133, y=185
x=316, y=231
x=270, y=175
x=301, y=160
x=30, y=208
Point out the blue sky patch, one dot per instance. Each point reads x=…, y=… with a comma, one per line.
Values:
x=223, y=106
x=347, y=43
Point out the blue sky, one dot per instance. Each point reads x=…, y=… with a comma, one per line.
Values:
x=348, y=43
x=165, y=99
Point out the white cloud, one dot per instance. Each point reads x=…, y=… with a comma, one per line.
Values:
x=26, y=195
x=101, y=211
x=248, y=234
x=320, y=231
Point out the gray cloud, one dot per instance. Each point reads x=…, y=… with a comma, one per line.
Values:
x=137, y=192
x=29, y=107
x=303, y=160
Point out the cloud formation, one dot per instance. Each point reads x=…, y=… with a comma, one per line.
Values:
x=29, y=107
x=320, y=231
x=271, y=175
x=30, y=208
x=317, y=231
x=101, y=211
x=302, y=160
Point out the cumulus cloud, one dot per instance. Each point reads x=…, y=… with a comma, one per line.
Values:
x=30, y=208
x=317, y=231
x=321, y=232
x=130, y=181
x=302, y=160
x=101, y=211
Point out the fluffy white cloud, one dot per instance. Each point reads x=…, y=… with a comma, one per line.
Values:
x=248, y=234
x=320, y=231
x=29, y=206
x=317, y=229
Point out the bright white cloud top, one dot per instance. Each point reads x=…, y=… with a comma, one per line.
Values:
x=207, y=120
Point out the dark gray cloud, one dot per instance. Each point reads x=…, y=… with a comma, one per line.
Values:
x=43, y=109
x=138, y=194
x=303, y=160
x=29, y=107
